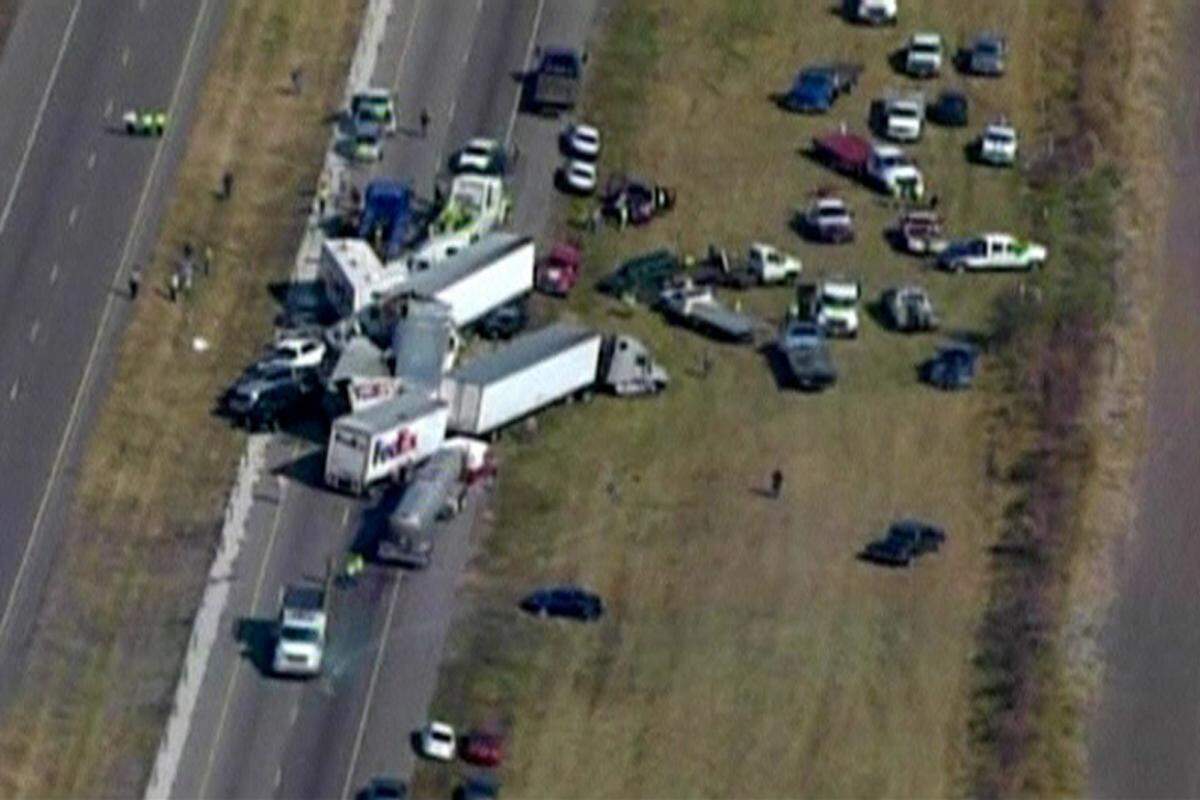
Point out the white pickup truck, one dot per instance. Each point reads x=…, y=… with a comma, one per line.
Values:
x=300, y=642
x=837, y=307
x=902, y=117
x=896, y=173
x=769, y=264
x=992, y=251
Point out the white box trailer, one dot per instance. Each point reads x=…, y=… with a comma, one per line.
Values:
x=531, y=372
x=383, y=441
x=491, y=272
x=353, y=277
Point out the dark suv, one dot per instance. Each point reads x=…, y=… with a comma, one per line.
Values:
x=906, y=540
x=263, y=399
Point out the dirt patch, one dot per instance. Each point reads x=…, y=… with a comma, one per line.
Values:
x=110, y=637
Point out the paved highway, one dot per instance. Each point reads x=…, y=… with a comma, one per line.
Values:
x=1147, y=734
x=78, y=203
x=256, y=737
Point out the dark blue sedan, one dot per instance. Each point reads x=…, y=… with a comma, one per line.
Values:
x=813, y=92
x=952, y=368
x=570, y=602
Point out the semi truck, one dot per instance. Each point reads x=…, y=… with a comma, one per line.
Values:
x=541, y=368
x=434, y=492
x=384, y=441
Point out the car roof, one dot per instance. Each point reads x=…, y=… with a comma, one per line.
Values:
x=586, y=130
x=481, y=143
x=926, y=37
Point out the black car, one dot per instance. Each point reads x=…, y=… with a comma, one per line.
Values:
x=564, y=601
x=384, y=789
x=506, y=321
x=953, y=368
x=262, y=400
x=950, y=110
x=906, y=540
x=477, y=789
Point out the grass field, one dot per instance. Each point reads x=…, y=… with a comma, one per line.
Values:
x=747, y=653
x=112, y=631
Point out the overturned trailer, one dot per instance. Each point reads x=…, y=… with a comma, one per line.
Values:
x=435, y=492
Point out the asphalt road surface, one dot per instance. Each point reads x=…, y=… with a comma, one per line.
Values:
x=253, y=736
x=1146, y=739
x=78, y=201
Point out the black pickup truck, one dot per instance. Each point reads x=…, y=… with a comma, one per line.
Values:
x=552, y=85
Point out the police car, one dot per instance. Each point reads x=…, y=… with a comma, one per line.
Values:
x=374, y=106
x=144, y=122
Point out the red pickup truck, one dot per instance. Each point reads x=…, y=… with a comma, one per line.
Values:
x=558, y=272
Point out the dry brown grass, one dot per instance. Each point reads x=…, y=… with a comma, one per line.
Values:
x=747, y=653
x=111, y=634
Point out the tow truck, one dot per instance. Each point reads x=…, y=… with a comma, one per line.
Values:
x=837, y=307
x=145, y=122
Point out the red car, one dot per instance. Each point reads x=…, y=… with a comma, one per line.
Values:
x=557, y=274
x=482, y=749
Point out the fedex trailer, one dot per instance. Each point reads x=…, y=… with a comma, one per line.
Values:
x=384, y=441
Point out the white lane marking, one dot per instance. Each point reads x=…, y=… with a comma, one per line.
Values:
x=366, y=711
x=108, y=108
x=90, y=365
x=37, y=120
x=33, y=330
x=16, y=387
x=278, y=778
x=450, y=111
x=125, y=57
x=54, y=272
x=512, y=117
x=404, y=50
x=74, y=215
x=92, y=161
x=466, y=56
x=237, y=667
x=345, y=516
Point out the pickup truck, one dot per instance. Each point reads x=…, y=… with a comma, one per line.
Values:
x=817, y=87
x=883, y=166
x=765, y=265
x=992, y=251
x=806, y=357
x=558, y=272
x=870, y=12
x=908, y=309
x=923, y=54
x=300, y=640
x=553, y=84
x=900, y=118
x=837, y=307
x=997, y=145
x=828, y=219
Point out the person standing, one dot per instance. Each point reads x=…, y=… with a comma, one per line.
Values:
x=776, y=484
x=297, y=80
x=424, y=122
x=173, y=286
x=227, y=185
x=208, y=260
x=135, y=282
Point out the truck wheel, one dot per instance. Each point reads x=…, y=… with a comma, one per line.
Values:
x=958, y=267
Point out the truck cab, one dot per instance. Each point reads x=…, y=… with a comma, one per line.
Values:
x=770, y=265
x=895, y=172
x=627, y=368
x=837, y=307
x=300, y=642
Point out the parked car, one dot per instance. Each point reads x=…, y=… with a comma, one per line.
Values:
x=504, y=322
x=367, y=142
x=564, y=601
x=828, y=219
x=870, y=12
x=264, y=399
x=482, y=748
x=923, y=54
x=477, y=788
x=905, y=541
x=633, y=201
x=918, y=231
x=558, y=272
x=908, y=309
x=577, y=177
x=900, y=118
x=384, y=789
x=295, y=353
x=952, y=368
x=997, y=145
x=986, y=55
x=438, y=742
x=806, y=360
x=480, y=157
x=582, y=142
x=951, y=109
x=376, y=106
